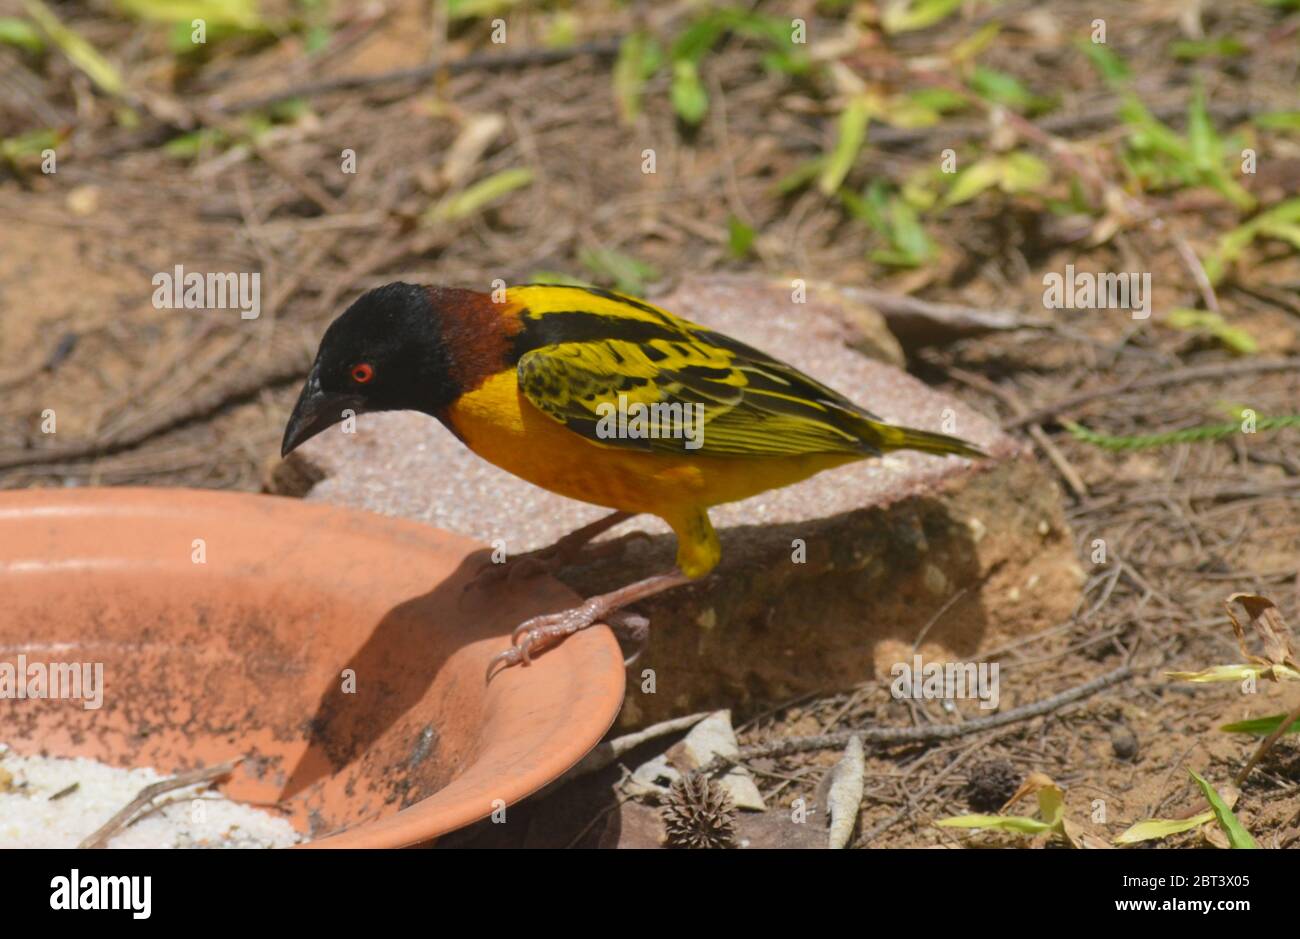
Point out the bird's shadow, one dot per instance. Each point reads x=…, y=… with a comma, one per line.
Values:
x=399, y=662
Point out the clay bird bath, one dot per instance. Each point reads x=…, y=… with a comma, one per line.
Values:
x=338, y=652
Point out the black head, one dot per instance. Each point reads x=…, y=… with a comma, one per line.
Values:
x=384, y=353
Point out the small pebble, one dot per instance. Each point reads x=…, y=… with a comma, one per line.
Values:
x=1123, y=742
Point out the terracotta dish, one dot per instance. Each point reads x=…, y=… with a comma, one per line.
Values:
x=339, y=652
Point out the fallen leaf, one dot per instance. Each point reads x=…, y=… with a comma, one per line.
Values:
x=1235, y=673
x=845, y=796
x=714, y=737
x=1155, y=828
x=470, y=144
x=1270, y=627
x=652, y=779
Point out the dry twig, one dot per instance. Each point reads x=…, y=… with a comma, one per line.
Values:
x=886, y=736
x=150, y=792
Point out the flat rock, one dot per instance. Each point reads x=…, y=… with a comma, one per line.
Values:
x=822, y=584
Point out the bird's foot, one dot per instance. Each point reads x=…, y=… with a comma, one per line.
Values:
x=541, y=632
x=565, y=551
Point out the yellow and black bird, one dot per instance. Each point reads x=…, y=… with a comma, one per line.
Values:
x=599, y=397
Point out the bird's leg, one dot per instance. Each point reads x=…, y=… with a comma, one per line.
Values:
x=553, y=557
x=541, y=631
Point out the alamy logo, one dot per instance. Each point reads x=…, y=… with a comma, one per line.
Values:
x=662, y=420
x=177, y=290
x=75, y=681
x=1083, y=290
x=102, y=892
x=946, y=681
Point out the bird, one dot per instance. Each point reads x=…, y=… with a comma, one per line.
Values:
x=598, y=396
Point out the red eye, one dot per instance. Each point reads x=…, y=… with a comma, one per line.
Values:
x=362, y=373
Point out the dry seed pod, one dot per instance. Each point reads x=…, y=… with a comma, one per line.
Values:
x=699, y=814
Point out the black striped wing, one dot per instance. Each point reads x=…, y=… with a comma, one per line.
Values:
x=596, y=369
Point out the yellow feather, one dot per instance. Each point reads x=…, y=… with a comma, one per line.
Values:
x=766, y=425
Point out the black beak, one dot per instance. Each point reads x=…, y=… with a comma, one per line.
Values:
x=315, y=411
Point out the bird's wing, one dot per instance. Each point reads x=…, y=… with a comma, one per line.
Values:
x=583, y=351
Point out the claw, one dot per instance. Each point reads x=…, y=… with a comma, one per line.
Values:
x=506, y=659
x=524, y=629
x=534, y=634
x=519, y=653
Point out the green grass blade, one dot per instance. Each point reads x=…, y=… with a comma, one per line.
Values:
x=1261, y=726
x=1238, y=837
x=79, y=52
x=850, y=135
x=480, y=194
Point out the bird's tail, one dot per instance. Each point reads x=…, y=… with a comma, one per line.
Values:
x=887, y=437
